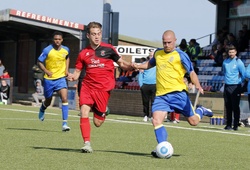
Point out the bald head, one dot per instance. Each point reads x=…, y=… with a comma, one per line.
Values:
x=168, y=40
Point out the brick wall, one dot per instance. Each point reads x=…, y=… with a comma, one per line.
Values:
x=126, y=102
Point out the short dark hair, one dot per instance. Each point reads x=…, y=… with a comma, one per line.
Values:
x=93, y=25
x=232, y=47
x=57, y=33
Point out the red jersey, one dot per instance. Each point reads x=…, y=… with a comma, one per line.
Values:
x=99, y=66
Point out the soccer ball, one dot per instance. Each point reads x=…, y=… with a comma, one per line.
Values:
x=164, y=150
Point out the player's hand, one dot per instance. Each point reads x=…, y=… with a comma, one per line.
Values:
x=70, y=77
x=135, y=66
x=200, y=89
x=49, y=74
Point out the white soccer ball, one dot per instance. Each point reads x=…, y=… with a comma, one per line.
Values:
x=164, y=150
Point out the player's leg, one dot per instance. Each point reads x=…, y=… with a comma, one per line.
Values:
x=48, y=92
x=85, y=128
x=86, y=103
x=160, y=131
x=63, y=93
x=100, y=108
x=193, y=115
x=160, y=109
x=62, y=89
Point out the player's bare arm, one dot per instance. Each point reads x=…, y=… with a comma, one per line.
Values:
x=42, y=67
x=74, y=76
x=140, y=66
x=124, y=64
x=67, y=67
x=195, y=80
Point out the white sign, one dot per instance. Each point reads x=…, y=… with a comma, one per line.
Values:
x=134, y=50
x=46, y=19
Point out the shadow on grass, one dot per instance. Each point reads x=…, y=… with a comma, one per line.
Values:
x=132, y=153
x=58, y=149
x=78, y=151
x=29, y=129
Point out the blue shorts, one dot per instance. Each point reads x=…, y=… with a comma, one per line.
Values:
x=178, y=102
x=51, y=86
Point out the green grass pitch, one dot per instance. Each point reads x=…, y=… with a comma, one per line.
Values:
x=122, y=142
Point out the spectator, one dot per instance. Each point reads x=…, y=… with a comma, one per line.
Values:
x=4, y=91
x=37, y=74
x=2, y=68
x=234, y=72
x=127, y=76
x=194, y=49
x=232, y=40
x=184, y=46
x=147, y=82
x=246, y=31
x=39, y=94
x=218, y=57
x=213, y=52
x=242, y=42
x=190, y=86
x=5, y=74
x=247, y=76
x=196, y=69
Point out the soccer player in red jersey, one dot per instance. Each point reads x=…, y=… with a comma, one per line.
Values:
x=98, y=60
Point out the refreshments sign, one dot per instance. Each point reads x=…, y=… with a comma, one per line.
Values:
x=46, y=19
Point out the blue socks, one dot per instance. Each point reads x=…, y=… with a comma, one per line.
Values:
x=199, y=112
x=65, y=110
x=161, y=133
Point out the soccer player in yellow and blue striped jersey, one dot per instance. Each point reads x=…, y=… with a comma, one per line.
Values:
x=171, y=91
x=54, y=61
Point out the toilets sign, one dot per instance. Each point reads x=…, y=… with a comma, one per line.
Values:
x=134, y=50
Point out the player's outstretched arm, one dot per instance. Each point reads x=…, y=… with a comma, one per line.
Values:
x=141, y=66
x=124, y=64
x=74, y=76
x=195, y=80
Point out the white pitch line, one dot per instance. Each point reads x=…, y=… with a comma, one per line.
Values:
x=130, y=122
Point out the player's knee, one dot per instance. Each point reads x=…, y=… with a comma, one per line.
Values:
x=98, y=123
x=193, y=122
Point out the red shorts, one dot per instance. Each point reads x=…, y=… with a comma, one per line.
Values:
x=97, y=100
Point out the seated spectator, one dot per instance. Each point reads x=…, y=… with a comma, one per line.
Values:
x=39, y=94
x=190, y=86
x=5, y=74
x=184, y=46
x=219, y=56
x=242, y=42
x=37, y=74
x=127, y=76
x=4, y=91
x=232, y=40
x=196, y=69
x=194, y=49
x=246, y=31
x=213, y=52
x=1, y=67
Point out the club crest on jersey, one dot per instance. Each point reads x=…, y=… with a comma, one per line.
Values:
x=171, y=59
x=102, y=53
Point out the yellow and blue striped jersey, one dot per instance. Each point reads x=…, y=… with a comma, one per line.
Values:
x=54, y=61
x=170, y=70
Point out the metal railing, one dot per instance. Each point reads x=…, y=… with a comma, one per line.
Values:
x=210, y=36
